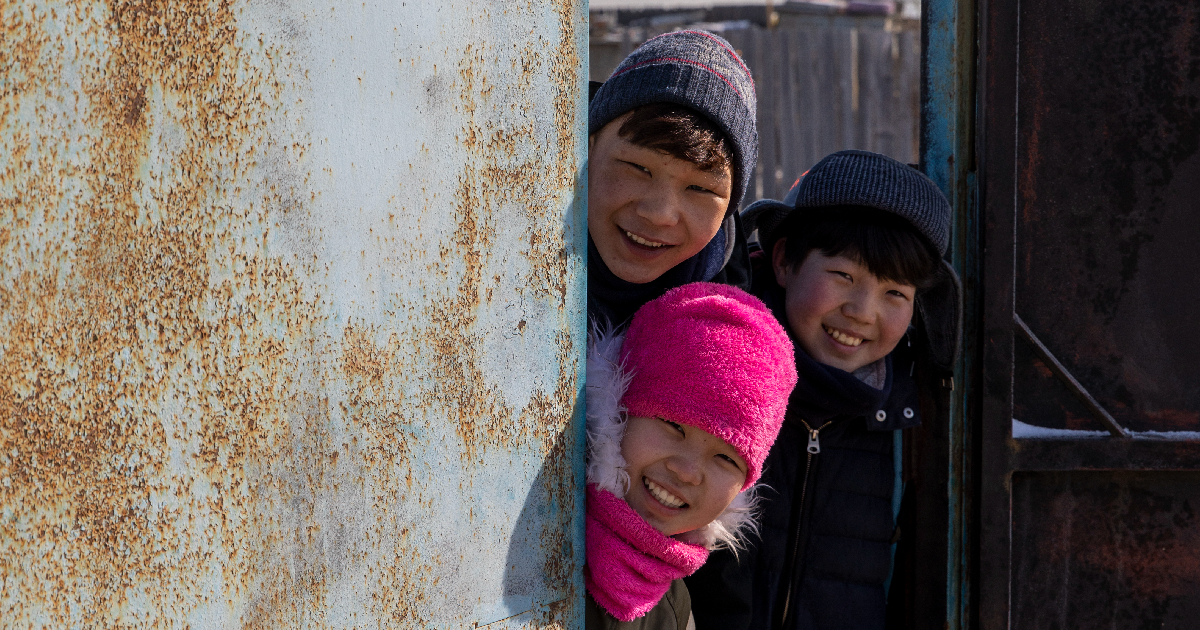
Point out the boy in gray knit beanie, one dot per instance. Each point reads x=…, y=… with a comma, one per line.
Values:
x=672, y=145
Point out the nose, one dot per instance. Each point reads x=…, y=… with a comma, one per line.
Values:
x=662, y=207
x=860, y=306
x=686, y=467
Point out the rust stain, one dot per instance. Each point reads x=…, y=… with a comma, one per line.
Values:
x=509, y=169
x=149, y=364
x=179, y=427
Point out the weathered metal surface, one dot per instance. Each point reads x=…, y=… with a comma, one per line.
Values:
x=1089, y=122
x=1051, y=362
x=291, y=313
x=945, y=443
x=1106, y=550
x=1106, y=232
x=1105, y=454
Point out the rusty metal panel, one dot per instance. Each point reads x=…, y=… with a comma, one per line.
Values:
x=291, y=313
x=940, y=451
x=1088, y=151
x=1109, y=155
x=1106, y=550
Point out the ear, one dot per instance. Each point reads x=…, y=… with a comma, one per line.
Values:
x=779, y=263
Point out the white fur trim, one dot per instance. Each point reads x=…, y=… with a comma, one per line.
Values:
x=732, y=527
x=607, y=381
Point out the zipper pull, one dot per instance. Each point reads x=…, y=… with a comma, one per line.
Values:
x=814, y=444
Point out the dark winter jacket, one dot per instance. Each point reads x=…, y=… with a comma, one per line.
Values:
x=827, y=520
x=671, y=613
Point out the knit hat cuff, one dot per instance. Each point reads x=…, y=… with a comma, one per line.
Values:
x=862, y=178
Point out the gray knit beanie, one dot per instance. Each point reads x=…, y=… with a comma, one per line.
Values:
x=697, y=70
x=862, y=178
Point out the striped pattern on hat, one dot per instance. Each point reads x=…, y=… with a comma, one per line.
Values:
x=695, y=69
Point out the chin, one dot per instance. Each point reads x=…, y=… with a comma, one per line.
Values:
x=840, y=363
x=637, y=274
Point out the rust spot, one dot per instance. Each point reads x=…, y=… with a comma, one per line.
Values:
x=149, y=373
x=181, y=415
x=133, y=112
x=360, y=357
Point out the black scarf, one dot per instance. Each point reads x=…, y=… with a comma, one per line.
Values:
x=824, y=392
x=613, y=301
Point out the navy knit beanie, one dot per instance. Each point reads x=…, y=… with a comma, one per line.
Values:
x=862, y=178
x=697, y=70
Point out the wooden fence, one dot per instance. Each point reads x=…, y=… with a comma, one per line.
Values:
x=824, y=83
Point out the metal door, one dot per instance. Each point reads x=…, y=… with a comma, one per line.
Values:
x=935, y=585
x=291, y=313
x=1089, y=148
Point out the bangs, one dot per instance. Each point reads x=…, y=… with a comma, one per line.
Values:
x=680, y=133
x=888, y=245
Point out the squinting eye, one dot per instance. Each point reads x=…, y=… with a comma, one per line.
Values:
x=674, y=425
x=730, y=460
x=639, y=167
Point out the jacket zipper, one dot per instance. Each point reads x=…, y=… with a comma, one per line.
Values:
x=814, y=448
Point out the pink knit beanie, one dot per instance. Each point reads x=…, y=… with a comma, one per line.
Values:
x=712, y=356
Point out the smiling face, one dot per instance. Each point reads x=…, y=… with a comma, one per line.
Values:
x=680, y=477
x=647, y=210
x=841, y=314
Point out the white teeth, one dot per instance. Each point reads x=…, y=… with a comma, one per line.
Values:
x=664, y=497
x=843, y=337
x=641, y=241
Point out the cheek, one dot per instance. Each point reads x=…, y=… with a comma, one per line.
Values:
x=725, y=488
x=896, y=322
x=599, y=192
x=703, y=221
x=631, y=451
x=808, y=301
x=641, y=445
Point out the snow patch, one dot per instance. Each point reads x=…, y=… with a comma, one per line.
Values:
x=1022, y=430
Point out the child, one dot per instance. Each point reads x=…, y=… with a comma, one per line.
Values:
x=681, y=412
x=861, y=238
x=672, y=144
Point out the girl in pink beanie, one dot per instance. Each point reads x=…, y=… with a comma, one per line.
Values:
x=681, y=412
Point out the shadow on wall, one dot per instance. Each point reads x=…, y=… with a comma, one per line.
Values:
x=546, y=550
x=545, y=553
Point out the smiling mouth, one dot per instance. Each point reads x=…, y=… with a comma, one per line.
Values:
x=662, y=495
x=842, y=337
x=643, y=242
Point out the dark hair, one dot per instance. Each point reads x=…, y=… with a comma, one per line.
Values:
x=679, y=132
x=889, y=246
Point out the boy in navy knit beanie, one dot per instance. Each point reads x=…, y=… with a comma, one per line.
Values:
x=849, y=256
x=672, y=144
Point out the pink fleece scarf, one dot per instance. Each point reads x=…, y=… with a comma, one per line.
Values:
x=630, y=565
